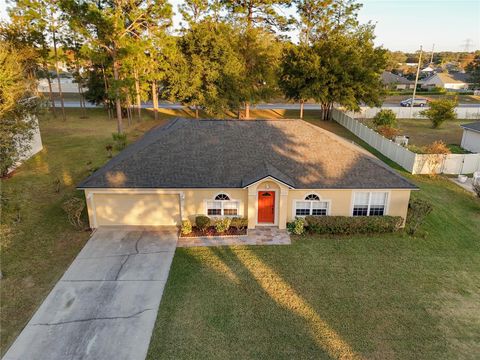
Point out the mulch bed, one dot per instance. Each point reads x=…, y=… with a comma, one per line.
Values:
x=232, y=231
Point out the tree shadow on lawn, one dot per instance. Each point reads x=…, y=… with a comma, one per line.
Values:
x=226, y=303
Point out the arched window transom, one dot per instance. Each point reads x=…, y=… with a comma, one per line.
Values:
x=222, y=197
x=312, y=205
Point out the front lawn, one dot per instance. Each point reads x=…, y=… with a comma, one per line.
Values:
x=376, y=297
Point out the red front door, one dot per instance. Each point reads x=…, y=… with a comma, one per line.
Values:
x=266, y=207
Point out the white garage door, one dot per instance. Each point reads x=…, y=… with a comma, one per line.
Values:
x=137, y=209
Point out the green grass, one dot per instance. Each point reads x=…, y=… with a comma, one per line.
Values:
x=381, y=297
x=457, y=149
x=421, y=132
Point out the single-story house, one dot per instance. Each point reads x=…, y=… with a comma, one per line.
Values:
x=471, y=137
x=397, y=82
x=453, y=81
x=269, y=171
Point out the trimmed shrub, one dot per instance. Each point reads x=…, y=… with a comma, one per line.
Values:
x=202, y=222
x=239, y=223
x=120, y=140
x=186, y=227
x=73, y=207
x=222, y=225
x=297, y=226
x=347, y=225
x=418, y=210
x=385, y=117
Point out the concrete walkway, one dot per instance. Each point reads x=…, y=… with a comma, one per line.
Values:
x=106, y=303
x=467, y=185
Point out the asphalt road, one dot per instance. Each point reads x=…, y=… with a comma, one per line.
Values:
x=75, y=104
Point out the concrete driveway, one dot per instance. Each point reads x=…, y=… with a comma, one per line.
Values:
x=106, y=303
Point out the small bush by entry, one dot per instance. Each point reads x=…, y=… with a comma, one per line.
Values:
x=202, y=222
x=347, y=225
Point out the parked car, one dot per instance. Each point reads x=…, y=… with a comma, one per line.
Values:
x=418, y=102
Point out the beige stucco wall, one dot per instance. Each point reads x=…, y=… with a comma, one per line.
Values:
x=398, y=203
x=195, y=200
x=341, y=201
x=168, y=207
x=153, y=207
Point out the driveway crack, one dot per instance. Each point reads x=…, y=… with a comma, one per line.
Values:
x=121, y=267
x=138, y=240
x=92, y=319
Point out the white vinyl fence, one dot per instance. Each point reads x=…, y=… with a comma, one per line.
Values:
x=410, y=161
x=35, y=146
x=404, y=112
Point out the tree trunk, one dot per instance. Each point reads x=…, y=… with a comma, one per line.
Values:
x=50, y=92
x=107, y=101
x=137, y=95
x=64, y=117
x=302, y=102
x=250, y=15
x=196, y=111
x=326, y=111
x=80, y=90
x=239, y=114
x=155, y=99
x=118, y=104
x=247, y=110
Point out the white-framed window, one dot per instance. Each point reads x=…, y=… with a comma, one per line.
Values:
x=312, y=205
x=222, y=205
x=369, y=203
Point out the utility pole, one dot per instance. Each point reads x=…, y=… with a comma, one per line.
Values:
x=431, y=58
x=416, y=82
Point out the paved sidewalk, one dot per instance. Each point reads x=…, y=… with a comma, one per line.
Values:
x=106, y=303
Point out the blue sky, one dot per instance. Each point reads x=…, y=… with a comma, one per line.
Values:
x=407, y=24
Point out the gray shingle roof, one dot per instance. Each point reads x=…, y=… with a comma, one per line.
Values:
x=475, y=126
x=390, y=78
x=233, y=154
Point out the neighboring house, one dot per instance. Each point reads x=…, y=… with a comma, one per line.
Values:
x=396, y=82
x=267, y=170
x=453, y=81
x=471, y=137
x=428, y=70
x=68, y=85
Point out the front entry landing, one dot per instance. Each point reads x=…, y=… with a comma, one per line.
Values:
x=266, y=207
